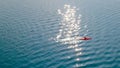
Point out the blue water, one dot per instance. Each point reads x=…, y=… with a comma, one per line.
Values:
x=44, y=33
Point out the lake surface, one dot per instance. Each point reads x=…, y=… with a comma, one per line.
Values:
x=45, y=33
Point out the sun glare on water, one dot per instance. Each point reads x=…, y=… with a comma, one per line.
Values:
x=70, y=29
x=69, y=26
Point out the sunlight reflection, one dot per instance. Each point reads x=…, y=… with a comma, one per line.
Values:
x=69, y=29
x=70, y=25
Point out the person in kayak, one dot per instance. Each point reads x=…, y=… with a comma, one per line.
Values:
x=85, y=38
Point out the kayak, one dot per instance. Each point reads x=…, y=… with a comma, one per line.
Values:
x=85, y=38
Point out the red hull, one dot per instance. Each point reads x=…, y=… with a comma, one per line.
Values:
x=85, y=38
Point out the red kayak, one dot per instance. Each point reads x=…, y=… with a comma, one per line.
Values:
x=85, y=38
